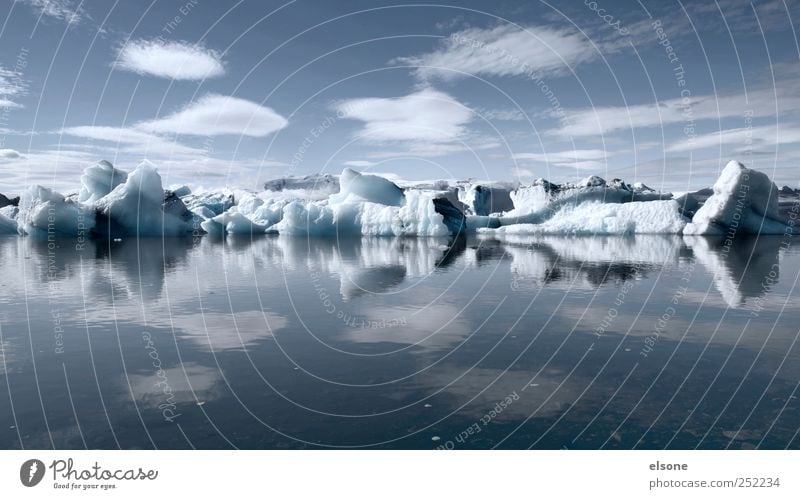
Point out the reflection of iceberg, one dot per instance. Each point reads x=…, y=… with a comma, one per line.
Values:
x=586, y=262
x=368, y=265
x=746, y=268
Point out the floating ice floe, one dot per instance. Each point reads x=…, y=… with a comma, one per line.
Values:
x=594, y=218
x=43, y=211
x=98, y=180
x=744, y=201
x=139, y=207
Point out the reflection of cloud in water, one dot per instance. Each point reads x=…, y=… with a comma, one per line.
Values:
x=366, y=265
x=437, y=326
x=220, y=331
x=745, y=269
x=184, y=384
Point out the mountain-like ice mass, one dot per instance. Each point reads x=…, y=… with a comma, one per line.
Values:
x=113, y=203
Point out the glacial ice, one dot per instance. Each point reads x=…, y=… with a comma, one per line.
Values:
x=43, y=211
x=98, y=180
x=355, y=186
x=138, y=207
x=744, y=201
x=114, y=203
x=594, y=218
x=7, y=224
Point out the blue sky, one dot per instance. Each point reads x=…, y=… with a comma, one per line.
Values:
x=234, y=93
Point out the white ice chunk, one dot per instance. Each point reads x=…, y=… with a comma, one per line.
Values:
x=136, y=207
x=232, y=222
x=745, y=201
x=355, y=186
x=98, y=180
x=416, y=217
x=43, y=211
x=650, y=217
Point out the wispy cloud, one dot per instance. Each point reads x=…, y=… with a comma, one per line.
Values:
x=12, y=85
x=747, y=139
x=576, y=158
x=132, y=140
x=9, y=154
x=63, y=10
x=765, y=102
x=359, y=163
x=427, y=115
x=175, y=60
x=427, y=123
x=211, y=115
x=218, y=115
x=504, y=50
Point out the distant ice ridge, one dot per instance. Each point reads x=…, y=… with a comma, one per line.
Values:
x=114, y=203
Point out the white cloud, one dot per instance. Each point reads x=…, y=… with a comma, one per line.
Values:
x=134, y=141
x=175, y=60
x=510, y=114
x=575, y=158
x=359, y=163
x=427, y=116
x=218, y=115
x=11, y=85
x=570, y=155
x=9, y=154
x=5, y=103
x=746, y=138
x=504, y=50
x=58, y=9
x=767, y=102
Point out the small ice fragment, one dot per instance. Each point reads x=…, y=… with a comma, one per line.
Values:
x=436, y=439
x=428, y=405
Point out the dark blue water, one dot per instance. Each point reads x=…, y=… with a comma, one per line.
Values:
x=580, y=343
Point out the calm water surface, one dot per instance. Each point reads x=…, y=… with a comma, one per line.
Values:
x=545, y=342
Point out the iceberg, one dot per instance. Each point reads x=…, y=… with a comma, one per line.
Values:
x=323, y=183
x=113, y=203
x=416, y=217
x=139, y=207
x=744, y=201
x=98, y=180
x=592, y=218
x=7, y=224
x=355, y=186
x=43, y=211
x=483, y=200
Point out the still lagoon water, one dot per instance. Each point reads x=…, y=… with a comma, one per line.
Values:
x=277, y=342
